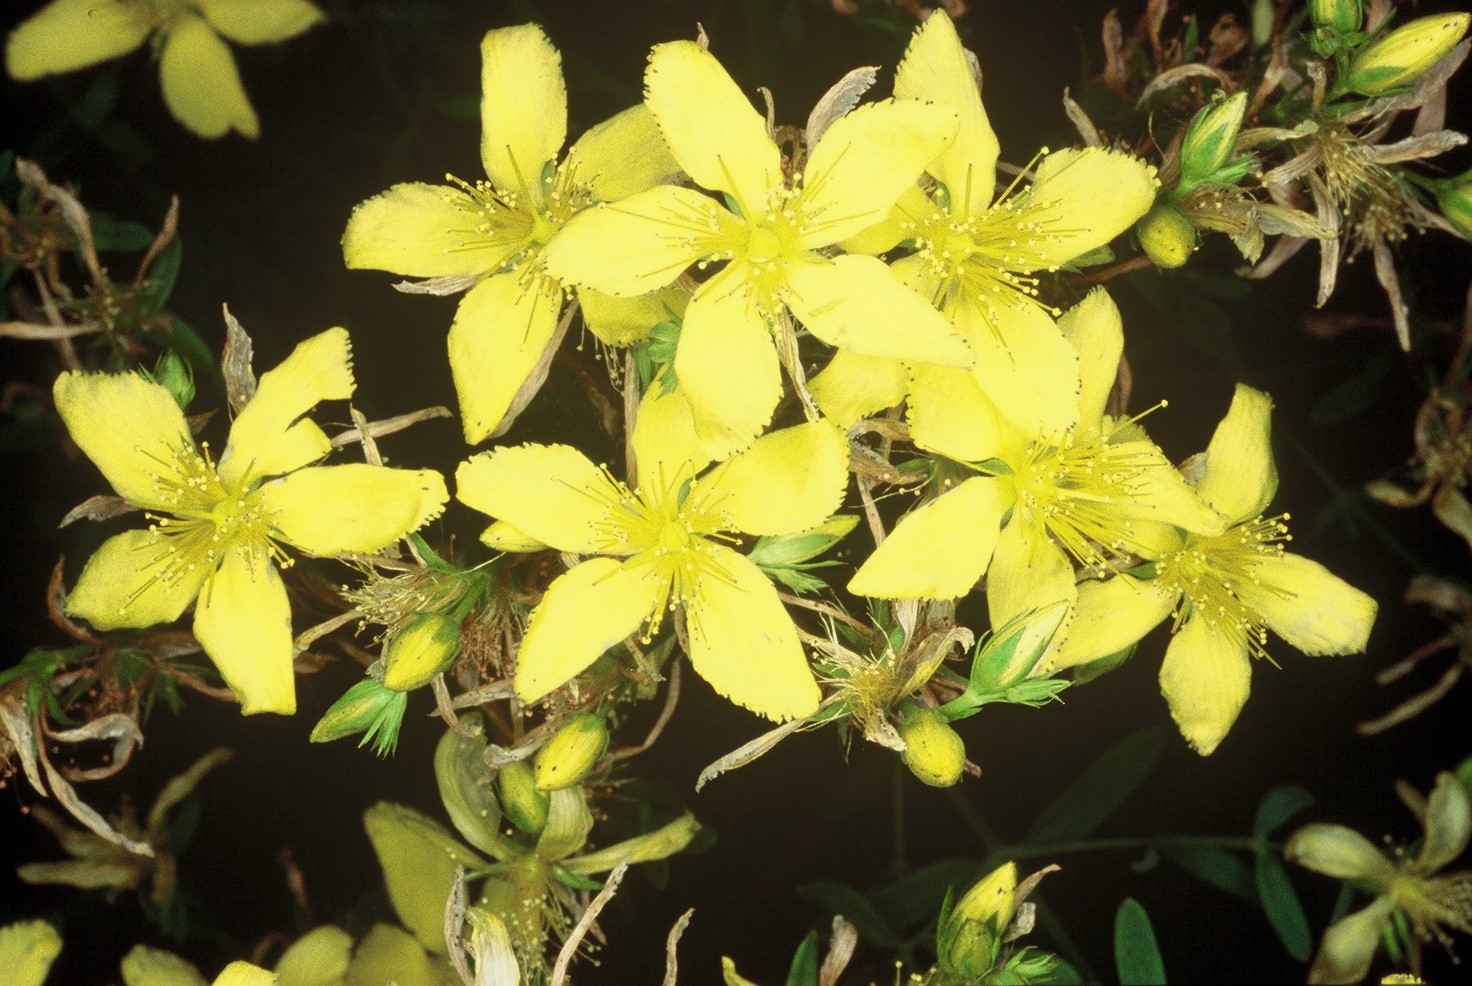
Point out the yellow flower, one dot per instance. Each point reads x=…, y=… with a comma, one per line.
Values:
x=144, y=966
x=772, y=238
x=978, y=255
x=200, y=82
x=665, y=537
x=490, y=236
x=217, y=528
x=1080, y=497
x=1226, y=590
x=1432, y=903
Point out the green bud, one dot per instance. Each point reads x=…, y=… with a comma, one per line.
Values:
x=522, y=801
x=1454, y=198
x=572, y=752
x=792, y=549
x=419, y=651
x=1343, y=16
x=969, y=949
x=1167, y=236
x=177, y=377
x=933, y=750
x=1010, y=656
x=368, y=708
x=1405, y=54
x=1261, y=16
x=1211, y=139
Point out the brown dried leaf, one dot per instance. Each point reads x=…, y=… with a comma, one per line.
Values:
x=1116, y=74
x=537, y=377
x=841, y=944
x=1081, y=121
x=118, y=729
x=17, y=723
x=86, y=814
x=100, y=507
x=1225, y=39
x=235, y=364
x=441, y=286
x=671, y=963
x=1179, y=74
x=41, y=332
x=165, y=236
x=837, y=101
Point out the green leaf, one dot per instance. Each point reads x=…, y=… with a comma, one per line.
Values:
x=913, y=899
x=796, y=581
x=1101, y=789
x=840, y=898
x=1136, y=956
x=1281, y=902
x=804, y=970
x=1216, y=867
x=119, y=235
x=1279, y=805
x=161, y=279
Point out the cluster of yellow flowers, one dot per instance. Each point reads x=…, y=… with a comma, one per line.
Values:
x=883, y=238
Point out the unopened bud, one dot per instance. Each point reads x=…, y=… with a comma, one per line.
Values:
x=572, y=752
x=1336, y=851
x=933, y=750
x=1454, y=198
x=420, y=651
x=369, y=708
x=1261, y=15
x=1211, y=139
x=1343, y=16
x=1167, y=236
x=521, y=800
x=1405, y=54
x=177, y=377
x=975, y=926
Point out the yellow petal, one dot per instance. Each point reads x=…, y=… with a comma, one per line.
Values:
x=267, y=439
x=389, y=954
x=1308, y=606
x=853, y=387
x=712, y=130
x=1448, y=824
x=330, y=510
x=949, y=413
x=523, y=107
x=622, y=155
x=1350, y=943
x=1159, y=493
x=583, y=613
x=935, y=67
x=1339, y=852
x=1109, y=616
x=1096, y=335
x=501, y=331
x=318, y=958
x=144, y=966
x=1028, y=570
x=624, y=321
x=424, y=230
x=548, y=492
x=862, y=164
x=1026, y=367
x=857, y=304
x=502, y=536
x=1082, y=199
x=419, y=858
x=131, y=429
x=940, y=550
x=668, y=443
x=1240, y=477
x=70, y=34
x=244, y=974
x=243, y=623
x=134, y=580
x=726, y=362
x=253, y=22
x=642, y=243
x=1205, y=680
x=201, y=83
x=787, y=481
x=742, y=640
x=27, y=949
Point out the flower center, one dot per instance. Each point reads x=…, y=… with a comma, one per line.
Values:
x=1208, y=573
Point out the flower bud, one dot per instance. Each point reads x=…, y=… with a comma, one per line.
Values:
x=1343, y=16
x=933, y=750
x=177, y=377
x=1261, y=16
x=1336, y=851
x=420, y=651
x=1167, y=236
x=977, y=922
x=1211, y=138
x=1403, y=55
x=572, y=752
x=367, y=708
x=1454, y=198
x=521, y=800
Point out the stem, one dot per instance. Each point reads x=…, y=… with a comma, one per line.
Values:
x=897, y=801
x=1029, y=850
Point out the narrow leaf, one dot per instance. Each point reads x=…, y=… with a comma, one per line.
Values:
x=1216, y=867
x=1279, y=805
x=840, y=898
x=804, y=969
x=1101, y=789
x=1284, y=911
x=1136, y=956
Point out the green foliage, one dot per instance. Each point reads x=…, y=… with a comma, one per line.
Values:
x=1136, y=955
x=1099, y=791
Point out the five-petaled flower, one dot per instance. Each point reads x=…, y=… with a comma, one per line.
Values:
x=217, y=528
x=490, y=236
x=978, y=255
x=1091, y=496
x=1226, y=590
x=664, y=536
x=200, y=82
x=773, y=237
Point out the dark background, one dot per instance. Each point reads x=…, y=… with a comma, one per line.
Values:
x=386, y=92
